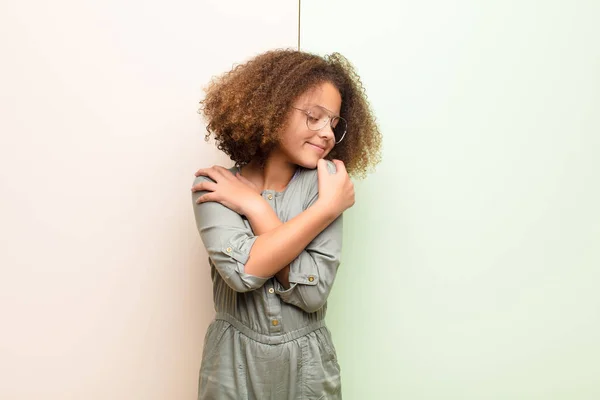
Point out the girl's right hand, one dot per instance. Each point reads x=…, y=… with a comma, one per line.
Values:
x=233, y=191
x=336, y=191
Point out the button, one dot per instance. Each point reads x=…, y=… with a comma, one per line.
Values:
x=270, y=197
x=275, y=322
x=229, y=249
x=271, y=290
x=311, y=278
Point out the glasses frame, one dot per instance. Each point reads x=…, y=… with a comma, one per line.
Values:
x=330, y=118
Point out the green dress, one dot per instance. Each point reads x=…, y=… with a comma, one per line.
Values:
x=267, y=342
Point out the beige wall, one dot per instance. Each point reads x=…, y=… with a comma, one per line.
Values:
x=104, y=287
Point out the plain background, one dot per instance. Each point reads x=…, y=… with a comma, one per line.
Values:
x=105, y=290
x=471, y=259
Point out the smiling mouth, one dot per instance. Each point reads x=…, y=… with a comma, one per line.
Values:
x=317, y=147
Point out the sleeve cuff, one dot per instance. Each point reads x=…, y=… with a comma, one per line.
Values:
x=280, y=290
x=303, y=270
x=240, y=255
x=307, y=276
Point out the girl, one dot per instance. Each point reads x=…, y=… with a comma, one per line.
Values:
x=272, y=224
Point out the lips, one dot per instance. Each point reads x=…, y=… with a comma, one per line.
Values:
x=317, y=147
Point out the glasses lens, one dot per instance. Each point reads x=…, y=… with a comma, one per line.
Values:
x=317, y=118
x=339, y=128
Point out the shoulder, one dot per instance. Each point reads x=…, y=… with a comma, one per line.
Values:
x=202, y=178
x=309, y=181
x=311, y=175
x=196, y=194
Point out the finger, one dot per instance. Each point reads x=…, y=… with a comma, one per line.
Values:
x=322, y=163
x=213, y=173
x=201, y=172
x=207, y=197
x=322, y=169
x=223, y=171
x=340, y=166
x=204, y=186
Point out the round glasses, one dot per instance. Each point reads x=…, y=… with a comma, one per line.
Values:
x=318, y=117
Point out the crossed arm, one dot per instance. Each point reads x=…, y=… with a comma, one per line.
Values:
x=302, y=253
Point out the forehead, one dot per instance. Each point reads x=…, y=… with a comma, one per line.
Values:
x=325, y=95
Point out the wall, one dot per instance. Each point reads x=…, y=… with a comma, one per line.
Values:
x=104, y=286
x=471, y=257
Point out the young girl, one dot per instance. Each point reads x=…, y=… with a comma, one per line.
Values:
x=272, y=224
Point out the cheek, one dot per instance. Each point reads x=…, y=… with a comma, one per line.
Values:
x=289, y=141
x=295, y=136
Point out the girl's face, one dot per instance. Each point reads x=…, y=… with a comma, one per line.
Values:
x=301, y=145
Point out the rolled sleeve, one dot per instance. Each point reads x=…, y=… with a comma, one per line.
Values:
x=313, y=272
x=228, y=242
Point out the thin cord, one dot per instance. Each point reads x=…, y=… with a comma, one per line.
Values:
x=299, y=10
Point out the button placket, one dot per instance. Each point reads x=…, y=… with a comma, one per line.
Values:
x=273, y=303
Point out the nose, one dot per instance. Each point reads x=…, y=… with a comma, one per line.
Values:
x=326, y=132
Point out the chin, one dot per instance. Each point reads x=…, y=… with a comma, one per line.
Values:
x=308, y=165
x=309, y=159
x=308, y=162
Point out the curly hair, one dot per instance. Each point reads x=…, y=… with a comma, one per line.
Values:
x=247, y=107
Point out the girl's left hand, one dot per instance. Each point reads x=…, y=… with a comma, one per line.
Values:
x=233, y=191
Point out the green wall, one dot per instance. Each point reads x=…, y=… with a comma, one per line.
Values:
x=471, y=259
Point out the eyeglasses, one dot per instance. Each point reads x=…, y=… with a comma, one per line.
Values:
x=317, y=118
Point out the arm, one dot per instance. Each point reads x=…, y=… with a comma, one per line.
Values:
x=246, y=261
x=277, y=244
x=260, y=226
x=307, y=281
x=227, y=240
x=312, y=273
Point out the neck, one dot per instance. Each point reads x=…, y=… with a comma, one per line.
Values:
x=275, y=175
